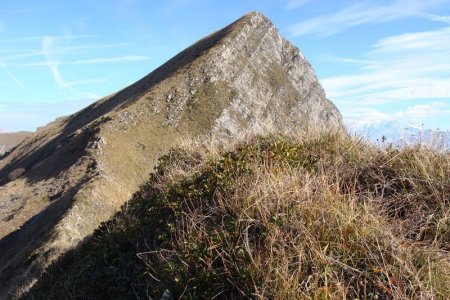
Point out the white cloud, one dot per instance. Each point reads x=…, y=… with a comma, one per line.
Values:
x=399, y=68
x=57, y=53
x=17, y=54
x=50, y=52
x=11, y=75
x=436, y=18
x=53, y=52
x=38, y=38
x=374, y=88
x=83, y=47
x=90, y=61
x=22, y=10
x=124, y=58
x=292, y=4
x=407, y=67
x=363, y=116
x=90, y=81
x=427, y=41
x=361, y=13
x=418, y=113
x=412, y=116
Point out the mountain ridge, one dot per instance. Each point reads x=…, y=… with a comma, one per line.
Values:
x=78, y=170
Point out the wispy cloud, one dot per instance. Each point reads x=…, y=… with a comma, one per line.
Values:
x=19, y=54
x=420, y=112
x=57, y=53
x=90, y=61
x=399, y=68
x=360, y=117
x=53, y=52
x=118, y=59
x=436, y=18
x=407, y=67
x=11, y=75
x=38, y=38
x=95, y=46
x=361, y=13
x=426, y=42
x=22, y=10
x=293, y=4
x=52, y=62
x=89, y=81
x=412, y=116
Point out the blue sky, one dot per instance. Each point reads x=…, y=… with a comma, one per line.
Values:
x=384, y=63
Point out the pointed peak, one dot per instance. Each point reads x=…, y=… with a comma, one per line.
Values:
x=255, y=14
x=245, y=25
x=253, y=17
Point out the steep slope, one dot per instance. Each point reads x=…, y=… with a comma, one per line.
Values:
x=62, y=182
x=10, y=139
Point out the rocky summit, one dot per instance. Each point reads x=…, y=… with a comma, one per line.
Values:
x=59, y=184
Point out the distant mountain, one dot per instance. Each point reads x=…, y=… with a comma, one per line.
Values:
x=62, y=182
x=395, y=134
x=431, y=137
x=11, y=139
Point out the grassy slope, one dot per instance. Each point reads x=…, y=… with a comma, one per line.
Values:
x=323, y=217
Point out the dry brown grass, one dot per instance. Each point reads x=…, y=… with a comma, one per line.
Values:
x=320, y=217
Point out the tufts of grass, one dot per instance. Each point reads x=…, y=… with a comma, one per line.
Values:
x=321, y=217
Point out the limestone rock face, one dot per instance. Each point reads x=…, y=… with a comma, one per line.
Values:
x=276, y=88
x=78, y=170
